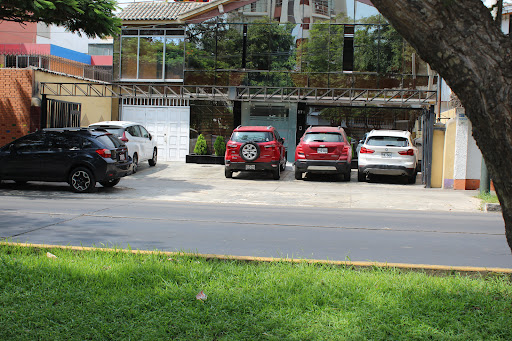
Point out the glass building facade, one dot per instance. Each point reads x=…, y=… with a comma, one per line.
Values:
x=275, y=43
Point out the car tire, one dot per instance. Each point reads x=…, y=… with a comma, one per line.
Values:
x=283, y=166
x=135, y=163
x=298, y=175
x=276, y=173
x=152, y=161
x=250, y=151
x=361, y=176
x=82, y=180
x=348, y=175
x=228, y=173
x=110, y=183
x=412, y=179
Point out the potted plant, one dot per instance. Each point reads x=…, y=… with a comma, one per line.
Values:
x=219, y=146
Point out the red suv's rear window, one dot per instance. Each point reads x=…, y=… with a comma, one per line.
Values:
x=323, y=137
x=251, y=136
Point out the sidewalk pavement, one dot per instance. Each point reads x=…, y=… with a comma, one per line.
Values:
x=179, y=181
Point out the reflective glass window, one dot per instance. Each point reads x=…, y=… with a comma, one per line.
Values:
x=30, y=143
x=129, y=57
x=174, y=58
x=151, y=51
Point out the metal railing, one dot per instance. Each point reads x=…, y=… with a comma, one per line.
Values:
x=55, y=64
x=413, y=98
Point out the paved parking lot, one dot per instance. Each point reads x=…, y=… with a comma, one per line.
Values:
x=178, y=181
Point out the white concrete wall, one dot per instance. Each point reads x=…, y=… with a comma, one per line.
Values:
x=468, y=158
x=461, y=146
x=61, y=37
x=474, y=164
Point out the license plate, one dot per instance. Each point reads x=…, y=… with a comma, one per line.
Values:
x=250, y=167
x=122, y=157
x=321, y=150
x=387, y=155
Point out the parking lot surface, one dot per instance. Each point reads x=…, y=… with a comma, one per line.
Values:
x=179, y=181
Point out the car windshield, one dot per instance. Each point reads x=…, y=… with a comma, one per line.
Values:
x=388, y=141
x=323, y=137
x=251, y=136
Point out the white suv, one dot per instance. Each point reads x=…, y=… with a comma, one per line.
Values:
x=388, y=152
x=141, y=145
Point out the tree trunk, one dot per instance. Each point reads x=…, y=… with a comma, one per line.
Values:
x=461, y=41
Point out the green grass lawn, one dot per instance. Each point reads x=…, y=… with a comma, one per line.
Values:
x=101, y=295
x=490, y=198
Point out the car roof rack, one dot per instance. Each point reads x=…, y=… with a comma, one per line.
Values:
x=68, y=129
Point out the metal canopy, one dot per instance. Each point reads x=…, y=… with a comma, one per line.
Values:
x=411, y=98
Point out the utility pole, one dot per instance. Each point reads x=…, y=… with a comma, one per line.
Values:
x=485, y=181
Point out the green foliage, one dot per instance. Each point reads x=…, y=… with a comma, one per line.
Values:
x=219, y=146
x=378, y=47
x=270, y=48
x=490, y=198
x=94, y=18
x=115, y=295
x=201, y=148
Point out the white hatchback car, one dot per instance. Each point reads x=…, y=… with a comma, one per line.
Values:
x=388, y=152
x=141, y=145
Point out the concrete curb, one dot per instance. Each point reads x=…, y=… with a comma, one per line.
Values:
x=492, y=207
x=404, y=266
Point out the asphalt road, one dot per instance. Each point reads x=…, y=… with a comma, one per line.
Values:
x=395, y=236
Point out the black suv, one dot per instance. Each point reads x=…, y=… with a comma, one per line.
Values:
x=78, y=156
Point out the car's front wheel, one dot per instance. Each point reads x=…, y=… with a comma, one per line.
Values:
x=152, y=161
x=110, y=183
x=82, y=180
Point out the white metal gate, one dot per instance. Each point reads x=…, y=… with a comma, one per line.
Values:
x=170, y=125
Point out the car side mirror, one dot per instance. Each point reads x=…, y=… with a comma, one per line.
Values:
x=281, y=140
x=360, y=141
x=12, y=149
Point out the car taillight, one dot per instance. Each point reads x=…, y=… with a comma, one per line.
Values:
x=345, y=150
x=366, y=151
x=406, y=152
x=300, y=151
x=105, y=153
x=124, y=138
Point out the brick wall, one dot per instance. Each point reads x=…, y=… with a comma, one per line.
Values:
x=15, y=100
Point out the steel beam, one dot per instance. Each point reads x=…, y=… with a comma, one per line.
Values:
x=416, y=98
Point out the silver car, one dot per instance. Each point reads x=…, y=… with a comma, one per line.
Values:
x=141, y=144
x=388, y=152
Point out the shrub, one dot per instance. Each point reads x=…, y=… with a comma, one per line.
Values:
x=201, y=147
x=219, y=146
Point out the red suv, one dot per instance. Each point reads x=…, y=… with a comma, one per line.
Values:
x=323, y=150
x=255, y=148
